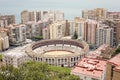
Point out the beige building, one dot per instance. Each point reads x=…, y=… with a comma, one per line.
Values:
x=71, y=27
x=113, y=15
x=3, y=23
x=9, y=19
x=113, y=68
x=100, y=13
x=27, y=16
x=95, y=14
x=4, y=41
x=115, y=24
x=88, y=14
x=46, y=33
x=78, y=26
x=117, y=30
x=24, y=16
x=36, y=16
x=17, y=34
x=57, y=29
x=90, y=31
x=55, y=16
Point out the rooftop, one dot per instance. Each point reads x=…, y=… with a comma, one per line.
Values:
x=116, y=62
x=14, y=54
x=3, y=29
x=102, y=49
x=90, y=67
x=17, y=52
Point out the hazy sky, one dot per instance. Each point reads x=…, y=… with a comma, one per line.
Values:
x=70, y=7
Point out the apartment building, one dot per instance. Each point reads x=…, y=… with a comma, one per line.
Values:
x=46, y=33
x=35, y=16
x=113, y=15
x=95, y=14
x=90, y=31
x=57, y=30
x=3, y=23
x=115, y=24
x=104, y=35
x=34, y=29
x=77, y=25
x=8, y=19
x=17, y=34
x=4, y=40
x=113, y=68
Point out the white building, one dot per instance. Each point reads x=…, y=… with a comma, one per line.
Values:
x=17, y=34
x=14, y=58
x=104, y=35
x=35, y=16
x=78, y=25
x=46, y=33
x=57, y=30
x=4, y=40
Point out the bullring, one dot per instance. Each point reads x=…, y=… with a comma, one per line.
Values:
x=62, y=52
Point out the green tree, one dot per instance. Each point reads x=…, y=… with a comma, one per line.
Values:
x=36, y=71
x=116, y=51
x=75, y=36
x=0, y=57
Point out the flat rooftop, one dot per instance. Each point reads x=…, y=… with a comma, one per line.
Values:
x=57, y=53
x=89, y=67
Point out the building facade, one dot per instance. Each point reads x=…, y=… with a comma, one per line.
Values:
x=113, y=68
x=90, y=31
x=77, y=25
x=15, y=58
x=8, y=19
x=61, y=52
x=46, y=33
x=113, y=15
x=115, y=24
x=57, y=30
x=3, y=23
x=104, y=35
x=95, y=14
x=17, y=34
x=90, y=69
x=36, y=16
x=4, y=40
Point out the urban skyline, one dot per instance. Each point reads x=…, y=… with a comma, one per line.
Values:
x=82, y=36
x=70, y=8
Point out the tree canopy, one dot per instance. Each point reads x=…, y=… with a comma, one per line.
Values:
x=116, y=51
x=75, y=36
x=36, y=71
x=0, y=57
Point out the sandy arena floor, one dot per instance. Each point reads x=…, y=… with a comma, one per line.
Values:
x=58, y=53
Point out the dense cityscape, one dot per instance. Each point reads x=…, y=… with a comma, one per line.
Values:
x=85, y=48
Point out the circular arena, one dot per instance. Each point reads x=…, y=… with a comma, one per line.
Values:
x=63, y=53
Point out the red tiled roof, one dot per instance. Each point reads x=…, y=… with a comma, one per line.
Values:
x=90, y=67
x=115, y=61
